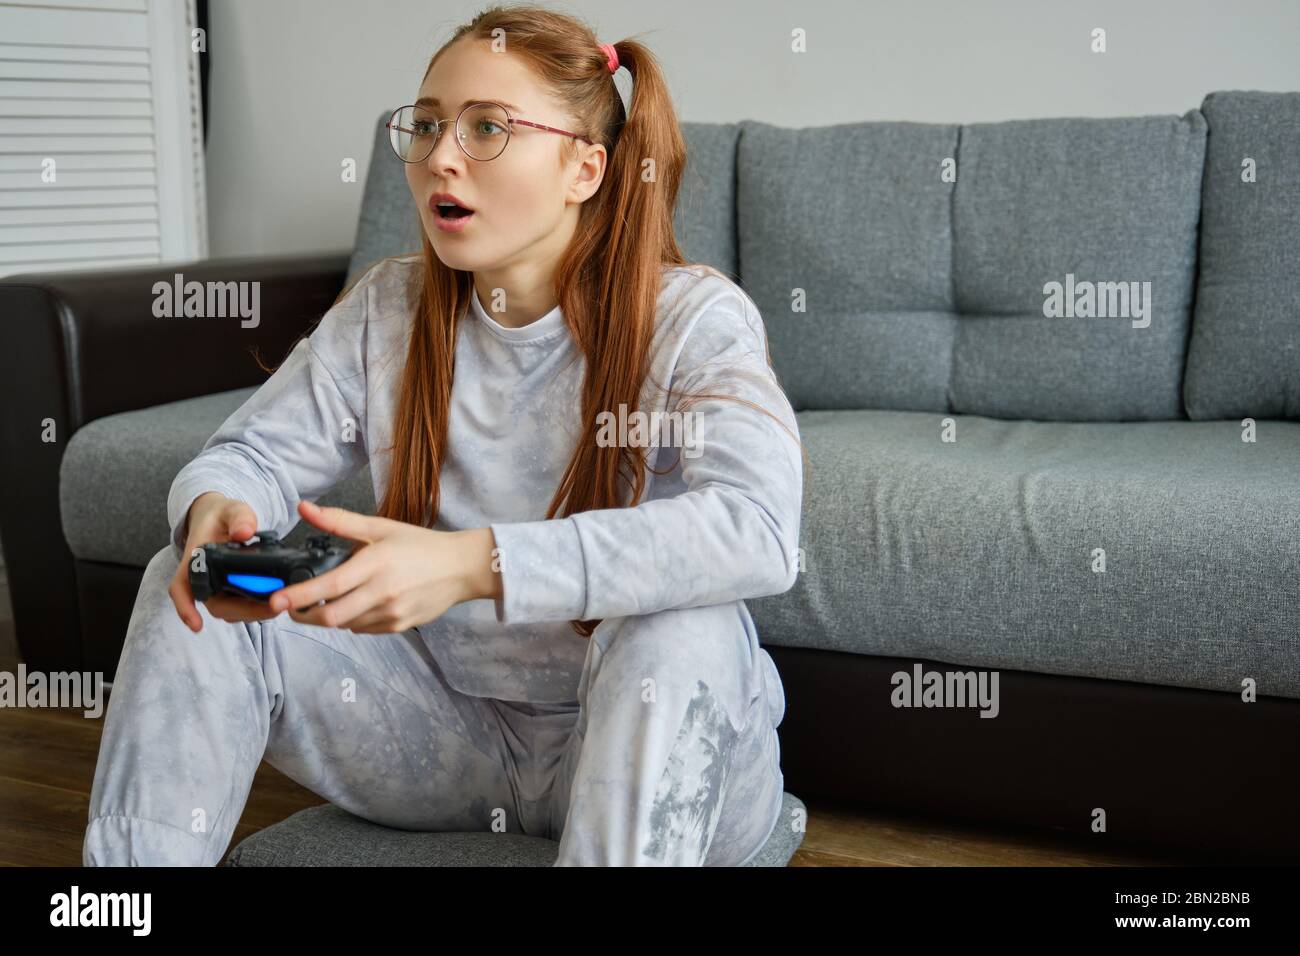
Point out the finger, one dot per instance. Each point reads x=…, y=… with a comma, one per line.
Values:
x=240, y=521
x=332, y=584
x=340, y=612
x=229, y=611
x=374, y=621
x=344, y=523
x=183, y=598
x=233, y=609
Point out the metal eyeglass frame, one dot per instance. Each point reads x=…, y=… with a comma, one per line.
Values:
x=510, y=121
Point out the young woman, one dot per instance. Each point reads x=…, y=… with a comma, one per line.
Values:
x=543, y=630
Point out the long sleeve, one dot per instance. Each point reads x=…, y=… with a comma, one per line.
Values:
x=732, y=534
x=296, y=436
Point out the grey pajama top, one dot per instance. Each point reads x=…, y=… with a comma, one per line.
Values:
x=721, y=525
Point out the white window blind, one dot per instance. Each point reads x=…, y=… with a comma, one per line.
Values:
x=109, y=91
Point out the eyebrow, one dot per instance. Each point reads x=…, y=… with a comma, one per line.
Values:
x=433, y=101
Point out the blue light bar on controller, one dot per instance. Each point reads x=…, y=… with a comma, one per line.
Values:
x=257, y=583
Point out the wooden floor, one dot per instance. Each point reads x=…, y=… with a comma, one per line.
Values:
x=47, y=763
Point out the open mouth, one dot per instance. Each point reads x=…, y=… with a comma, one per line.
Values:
x=452, y=211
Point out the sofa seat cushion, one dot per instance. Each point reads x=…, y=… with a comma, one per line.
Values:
x=117, y=470
x=985, y=551
x=327, y=835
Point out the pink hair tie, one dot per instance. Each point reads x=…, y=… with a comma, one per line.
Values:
x=611, y=56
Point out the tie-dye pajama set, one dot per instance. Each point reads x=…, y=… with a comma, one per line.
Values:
x=653, y=742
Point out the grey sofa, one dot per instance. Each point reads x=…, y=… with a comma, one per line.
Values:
x=1067, y=501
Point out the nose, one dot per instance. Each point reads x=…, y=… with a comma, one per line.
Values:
x=446, y=153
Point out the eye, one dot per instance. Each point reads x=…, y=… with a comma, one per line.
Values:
x=422, y=128
x=486, y=126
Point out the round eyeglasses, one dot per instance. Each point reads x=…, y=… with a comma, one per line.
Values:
x=482, y=131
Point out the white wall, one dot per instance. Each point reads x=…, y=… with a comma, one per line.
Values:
x=297, y=85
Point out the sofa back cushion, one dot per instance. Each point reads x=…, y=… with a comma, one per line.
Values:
x=923, y=293
x=389, y=223
x=1244, y=355
x=704, y=218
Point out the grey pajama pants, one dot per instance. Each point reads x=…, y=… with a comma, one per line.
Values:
x=667, y=755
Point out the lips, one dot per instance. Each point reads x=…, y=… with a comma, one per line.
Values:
x=458, y=209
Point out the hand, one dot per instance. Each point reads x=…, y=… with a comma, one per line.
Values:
x=214, y=517
x=401, y=576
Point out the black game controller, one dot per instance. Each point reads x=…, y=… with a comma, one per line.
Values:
x=261, y=566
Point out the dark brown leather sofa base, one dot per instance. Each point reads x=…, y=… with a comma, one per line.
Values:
x=1194, y=770
x=1190, y=769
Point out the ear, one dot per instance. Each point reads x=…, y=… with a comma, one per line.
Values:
x=590, y=172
